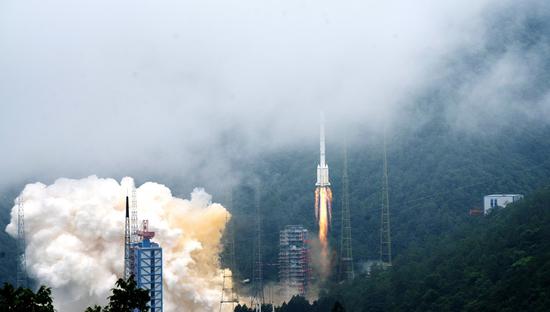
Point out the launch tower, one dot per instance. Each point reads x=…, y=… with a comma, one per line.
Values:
x=148, y=266
x=142, y=257
x=127, y=242
x=294, y=260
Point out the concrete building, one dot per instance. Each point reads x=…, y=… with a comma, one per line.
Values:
x=499, y=200
x=294, y=269
x=147, y=262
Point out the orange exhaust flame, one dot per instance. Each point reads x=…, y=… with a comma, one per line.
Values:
x=323, y=213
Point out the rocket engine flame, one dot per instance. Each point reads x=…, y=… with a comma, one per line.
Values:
x=323, y=213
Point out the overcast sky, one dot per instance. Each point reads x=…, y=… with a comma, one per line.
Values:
x=118, y=86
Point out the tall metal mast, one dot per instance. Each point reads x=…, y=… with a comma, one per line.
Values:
x=134, y=233
x=345, y=269
x=385, y=233
x=22, y=280
x=229, y=295
x=127, y=240
x=258, y=296
x=134, y=217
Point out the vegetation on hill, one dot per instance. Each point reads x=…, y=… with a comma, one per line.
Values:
x=25, y=300
x=436, y=176
x=500, y=262
x=126, y=297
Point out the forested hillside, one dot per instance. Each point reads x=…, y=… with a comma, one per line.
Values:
x=453, y=144
x=436, y=176
x=496, y=263
x=7, y=244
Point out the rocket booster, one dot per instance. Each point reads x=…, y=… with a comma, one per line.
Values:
x=322, y=167
x=323, y=194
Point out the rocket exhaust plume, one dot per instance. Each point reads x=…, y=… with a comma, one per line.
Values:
x=323, y=202
x=75, y=241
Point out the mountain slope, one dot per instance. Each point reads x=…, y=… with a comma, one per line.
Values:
x=496, y=263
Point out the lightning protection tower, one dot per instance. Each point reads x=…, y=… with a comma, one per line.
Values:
x=134, y=234
x=345, y=268
x=134, y=217
x=21, y=278
x=127, y=241
x=385, y=233
x=229, y=295
x=258, y=287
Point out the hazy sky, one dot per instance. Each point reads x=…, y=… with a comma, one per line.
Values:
x=158, y=86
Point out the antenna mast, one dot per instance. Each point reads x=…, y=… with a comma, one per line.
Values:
x=385, y=233
x=127, y=241
x=134, y=233
x=258, y=298
x=134, y=219
x=346, y=272
x=22, y=280
x=227, y=285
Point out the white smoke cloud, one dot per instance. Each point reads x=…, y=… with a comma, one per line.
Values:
x=75, y=232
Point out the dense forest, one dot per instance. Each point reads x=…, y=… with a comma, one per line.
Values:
x=443, y=158
x=496, y=263
x=499, y=262
x=436, y=175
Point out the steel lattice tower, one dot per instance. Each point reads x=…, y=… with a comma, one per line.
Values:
x=134, y=217
x=345, y=268
x=229, y=295
x=258, y=295
x=21, y=277
x=134, y=237
x=385, y=232
x=127, y=240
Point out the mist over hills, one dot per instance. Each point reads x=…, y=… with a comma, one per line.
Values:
x=435, y=178
x=473, y=120
x=465, y=136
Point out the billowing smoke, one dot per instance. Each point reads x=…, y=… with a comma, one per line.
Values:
x=75, y=233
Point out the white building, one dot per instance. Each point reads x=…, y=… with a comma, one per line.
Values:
x=499, y=200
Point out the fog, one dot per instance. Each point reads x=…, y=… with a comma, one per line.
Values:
x=186, y=88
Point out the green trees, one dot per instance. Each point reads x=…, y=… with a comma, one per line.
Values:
x=300, y=304
x=25, y=300
x=500, y=262
x=242, y=308
x=125, y=298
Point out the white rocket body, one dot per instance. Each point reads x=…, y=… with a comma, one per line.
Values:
x=322, y=167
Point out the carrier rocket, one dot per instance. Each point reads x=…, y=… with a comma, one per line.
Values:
x=323, y=203
x=323, y=193
x=322, y=167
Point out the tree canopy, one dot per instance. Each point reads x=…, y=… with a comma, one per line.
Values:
x=25, y=300
x=126, y=297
